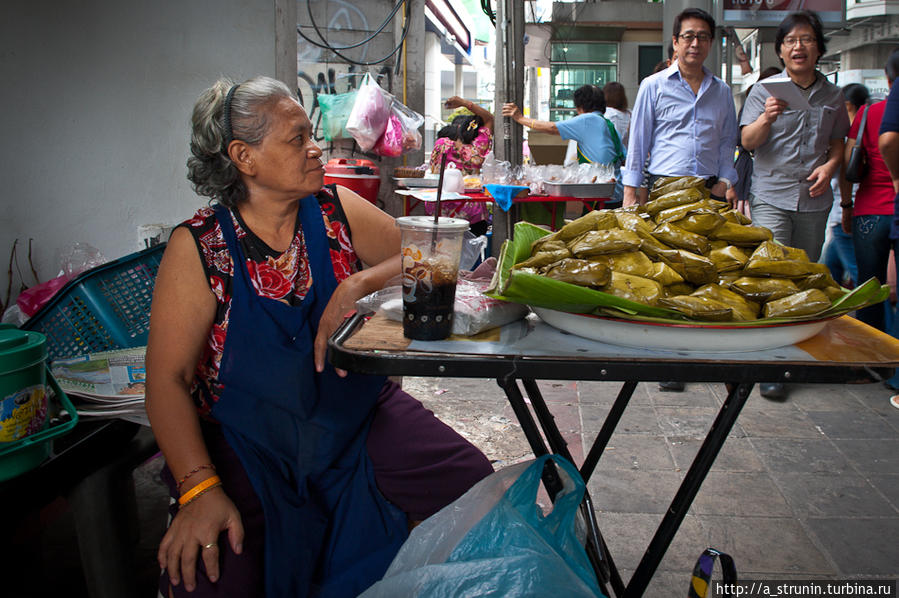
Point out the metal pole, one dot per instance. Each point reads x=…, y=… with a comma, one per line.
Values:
x=509, y=88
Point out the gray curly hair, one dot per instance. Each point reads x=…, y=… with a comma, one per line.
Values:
x=209, y=168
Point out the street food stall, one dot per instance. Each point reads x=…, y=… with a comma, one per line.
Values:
x=683, y=289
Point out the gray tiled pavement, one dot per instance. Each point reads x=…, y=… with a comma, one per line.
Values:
x=804, y=489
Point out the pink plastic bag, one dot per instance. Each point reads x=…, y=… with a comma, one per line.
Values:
x=401, y=134
x=371, y=111
x=33, y=299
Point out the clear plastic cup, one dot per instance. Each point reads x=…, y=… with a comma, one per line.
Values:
x=431, y=254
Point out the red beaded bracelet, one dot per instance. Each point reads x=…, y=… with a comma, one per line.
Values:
x=192, y=472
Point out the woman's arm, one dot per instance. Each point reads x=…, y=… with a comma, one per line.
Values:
x=181, y=317
x=376, y=240
x=513, y=112
x=486, y=115
x=888, y=144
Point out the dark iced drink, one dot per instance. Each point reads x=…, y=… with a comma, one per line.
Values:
x=431, y=254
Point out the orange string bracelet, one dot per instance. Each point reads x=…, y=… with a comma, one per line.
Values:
x=192, y=472
x=204, y=486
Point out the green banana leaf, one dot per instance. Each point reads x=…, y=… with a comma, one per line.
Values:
x=539, y=291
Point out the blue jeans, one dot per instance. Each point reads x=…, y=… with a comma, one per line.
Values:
x=871, y=239
x=839, y=256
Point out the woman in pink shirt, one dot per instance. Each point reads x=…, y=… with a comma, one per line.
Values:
x=466, y=141
x=868, y=217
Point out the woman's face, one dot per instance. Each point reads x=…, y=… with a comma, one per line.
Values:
x=288, y=160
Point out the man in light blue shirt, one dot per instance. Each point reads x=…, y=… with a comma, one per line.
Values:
x=684, y=116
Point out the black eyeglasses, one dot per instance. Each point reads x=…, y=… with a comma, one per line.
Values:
x=703, y=38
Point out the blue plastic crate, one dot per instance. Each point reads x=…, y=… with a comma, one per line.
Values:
x=107, y=307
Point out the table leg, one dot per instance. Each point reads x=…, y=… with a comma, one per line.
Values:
x=714, y=440
x=596, y=546
x=608, y=428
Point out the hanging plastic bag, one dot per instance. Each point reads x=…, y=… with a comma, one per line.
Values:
x=401, y=134
x=495, y=541
x=371, y=111
x=336, y=109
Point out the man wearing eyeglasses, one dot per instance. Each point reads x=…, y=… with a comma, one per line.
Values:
x=683, y=117
x=797, y=149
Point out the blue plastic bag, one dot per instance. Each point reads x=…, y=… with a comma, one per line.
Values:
x=495, y=541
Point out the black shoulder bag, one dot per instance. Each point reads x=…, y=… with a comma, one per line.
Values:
x=857, y=166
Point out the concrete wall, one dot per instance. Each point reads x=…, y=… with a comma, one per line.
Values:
x=97, y=101
x=343, y=23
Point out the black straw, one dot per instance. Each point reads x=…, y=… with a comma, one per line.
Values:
x=440, y=188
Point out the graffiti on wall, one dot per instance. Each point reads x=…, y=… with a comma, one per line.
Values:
x=332, y=78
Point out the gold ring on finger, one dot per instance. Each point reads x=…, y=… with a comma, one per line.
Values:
x=208, y=546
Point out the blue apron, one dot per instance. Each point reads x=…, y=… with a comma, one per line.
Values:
x=301, y=435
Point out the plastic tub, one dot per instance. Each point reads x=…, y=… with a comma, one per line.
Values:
x=24, y=455
x=361, y=176
x=23, y=395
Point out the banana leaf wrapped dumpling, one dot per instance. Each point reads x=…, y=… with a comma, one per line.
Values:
x=744, y=309
x=673, y=199
x=678, y=288
x=597, y=242
x=580, y=272
x=633, y=222
x=634, y=288
x=804, y=303
x=736, y=217
x=664, y=274
x=783, y=268
x=699, y=308
x=818, y=280
x=702, y=221
x=544, y=258
x=666, y=185
x=627, y=262
x=681, y=211
x=595, y=220
x=742, y=235
x=695, y=269
x=678, y=237
x=728, y=259
x=764, y=289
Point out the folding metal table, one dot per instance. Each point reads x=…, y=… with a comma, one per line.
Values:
x=529, y=350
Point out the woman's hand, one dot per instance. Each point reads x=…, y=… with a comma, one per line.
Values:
x=196, y=526
x=846, y=220
x=342, y=302
x=457, y=102
x=512, y=111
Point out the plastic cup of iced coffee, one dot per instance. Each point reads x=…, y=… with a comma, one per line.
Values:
x=431, y=254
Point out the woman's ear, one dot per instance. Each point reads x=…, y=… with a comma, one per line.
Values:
x=241, y=155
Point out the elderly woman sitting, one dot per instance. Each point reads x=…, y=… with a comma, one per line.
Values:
x=291, y=478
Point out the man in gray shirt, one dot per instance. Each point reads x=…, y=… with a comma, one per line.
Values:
x=797, y=152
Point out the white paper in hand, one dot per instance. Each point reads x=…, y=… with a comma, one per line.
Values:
x=786, y=90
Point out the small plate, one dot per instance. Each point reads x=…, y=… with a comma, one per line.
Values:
x=415, y=182
x=691, y=338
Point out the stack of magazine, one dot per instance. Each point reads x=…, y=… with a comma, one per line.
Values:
x=109, y=384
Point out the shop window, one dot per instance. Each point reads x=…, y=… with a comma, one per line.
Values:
x=578, y=63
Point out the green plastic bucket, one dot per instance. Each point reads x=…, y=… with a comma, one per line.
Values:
x=23, y=384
